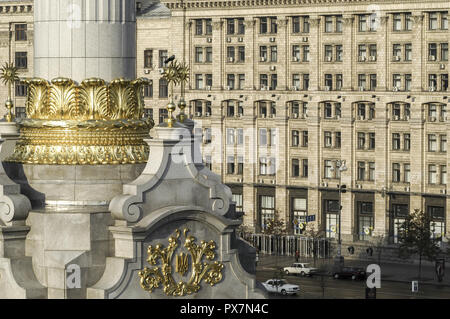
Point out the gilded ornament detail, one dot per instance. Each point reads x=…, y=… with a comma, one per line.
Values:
x=153, y=278
x=88, y=124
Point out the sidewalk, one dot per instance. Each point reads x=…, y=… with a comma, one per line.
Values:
x=394, y=272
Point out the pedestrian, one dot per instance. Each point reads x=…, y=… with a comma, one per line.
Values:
x=297, y=255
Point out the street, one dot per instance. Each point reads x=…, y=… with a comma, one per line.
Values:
x=311, y=288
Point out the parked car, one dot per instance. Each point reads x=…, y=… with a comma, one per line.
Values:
x=281, y=286
x=355, y=273
x=302, y=269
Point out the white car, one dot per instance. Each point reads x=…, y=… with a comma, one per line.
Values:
x=302, y=269
x=281, y=286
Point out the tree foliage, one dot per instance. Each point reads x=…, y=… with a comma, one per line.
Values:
x=275, y=226
x=416, y=237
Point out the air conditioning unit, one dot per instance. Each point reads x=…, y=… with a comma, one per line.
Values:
x=273, y=68
x=362, y=58
x=208, y=88
x=324, y=184
x=302, y=116
x=295, y=88
x=396, y=58
x=407, y=118
x=441, y=119
x=228, y=88
x=361, y=118
x=207, y=114
x=295, y=115
x=305, y=39
x=228, y=39
x=263, y=116
x=263, y=59
x=272, y=39
x=327, y=88
x=372, y=58
x=263, y=88
x=396, y=118
x=209, y=40
x=432, y=88
x=361, y=88
x=407, y=189
x=239, y=180
x=443, y=191
x=442, y=66
x=359, y=186
x=198, y=114
x=432, y=58
x=146, y=71
x=328, y=58
x=432, y=119
x=240, y=39
x=395, y=89
x=230, y=59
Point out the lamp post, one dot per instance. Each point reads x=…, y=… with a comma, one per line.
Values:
x=340, y=165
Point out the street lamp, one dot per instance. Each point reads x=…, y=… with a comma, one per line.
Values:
x=341, y=166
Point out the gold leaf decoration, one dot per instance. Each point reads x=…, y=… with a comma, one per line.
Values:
x=153, y=278
x=94, y=99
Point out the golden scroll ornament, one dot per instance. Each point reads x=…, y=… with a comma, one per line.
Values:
x=211, y=273
x=87, y=124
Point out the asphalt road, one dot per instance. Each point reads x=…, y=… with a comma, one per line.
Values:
x=311, y=288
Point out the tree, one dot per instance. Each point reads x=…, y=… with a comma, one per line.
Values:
x=276, y=227
x=315, y=234
x=416, y=237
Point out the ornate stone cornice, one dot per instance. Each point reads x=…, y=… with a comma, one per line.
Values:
x=16, y=8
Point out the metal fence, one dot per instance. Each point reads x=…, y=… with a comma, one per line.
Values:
x=288, y=245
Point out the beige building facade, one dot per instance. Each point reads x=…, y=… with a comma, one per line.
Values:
x=282, y=90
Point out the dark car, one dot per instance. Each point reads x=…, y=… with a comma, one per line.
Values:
x=355, y=273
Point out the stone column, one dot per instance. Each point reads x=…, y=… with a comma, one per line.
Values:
x=314, y=53
x=382, y=169
x=82, y=39
x=348, y=52
x=314, y=163
x=417, y=156
x=219, y=54
x=418, y=56
x=383, y=56
x=252, y=58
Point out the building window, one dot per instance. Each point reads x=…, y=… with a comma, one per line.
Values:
x=263, y=81
x=241, y=26
x=295, y=138
x=305, y=138
x=21, y=89
x=304, y=168
x=329, y=24
x=295, y=167
x=273, y=81
x=263, y=25
x=328, y=169
x=371, y=141
x=306, y=24
x=267, y=204
x=395, y=141
x=240, y=163
x=444, y=51
x=148, y=59
x=263, y=53
x=199, y=81
x=230, y=81
x=337, y=141
x=306, y=53
x=397, y=22
x=406, y=173
x=339, y=53
x=208, y=26
x=20, y=112
x=432, y=143
x=395, y=172
x=443, y=175
x=241, y=54
x=238, y=199
x=230, y=136
x=208, y=56
x=361, y=141
x=198, y=54
x=437, y=215
x=361, y=171
x=295, y=24
x=327, y=139
x=408, y=52
x=371, y=171
x=433, y=20
x=273, y=53
x=443, y=143
x=163, y=88
x=21, y=32
x=332, y=215
x=230, y=165
x=21, y=60
x=148, y=90
x=328, y=53
x=240, y=136
x=365, y=220
x=298, y=213
x=396, y=81
x=432, y=174
x=407, y=142
x=162, y=57
x=230, y=26
x=399, y=212
x=163, y=115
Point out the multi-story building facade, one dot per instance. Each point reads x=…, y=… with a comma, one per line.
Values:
x=281, y=90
